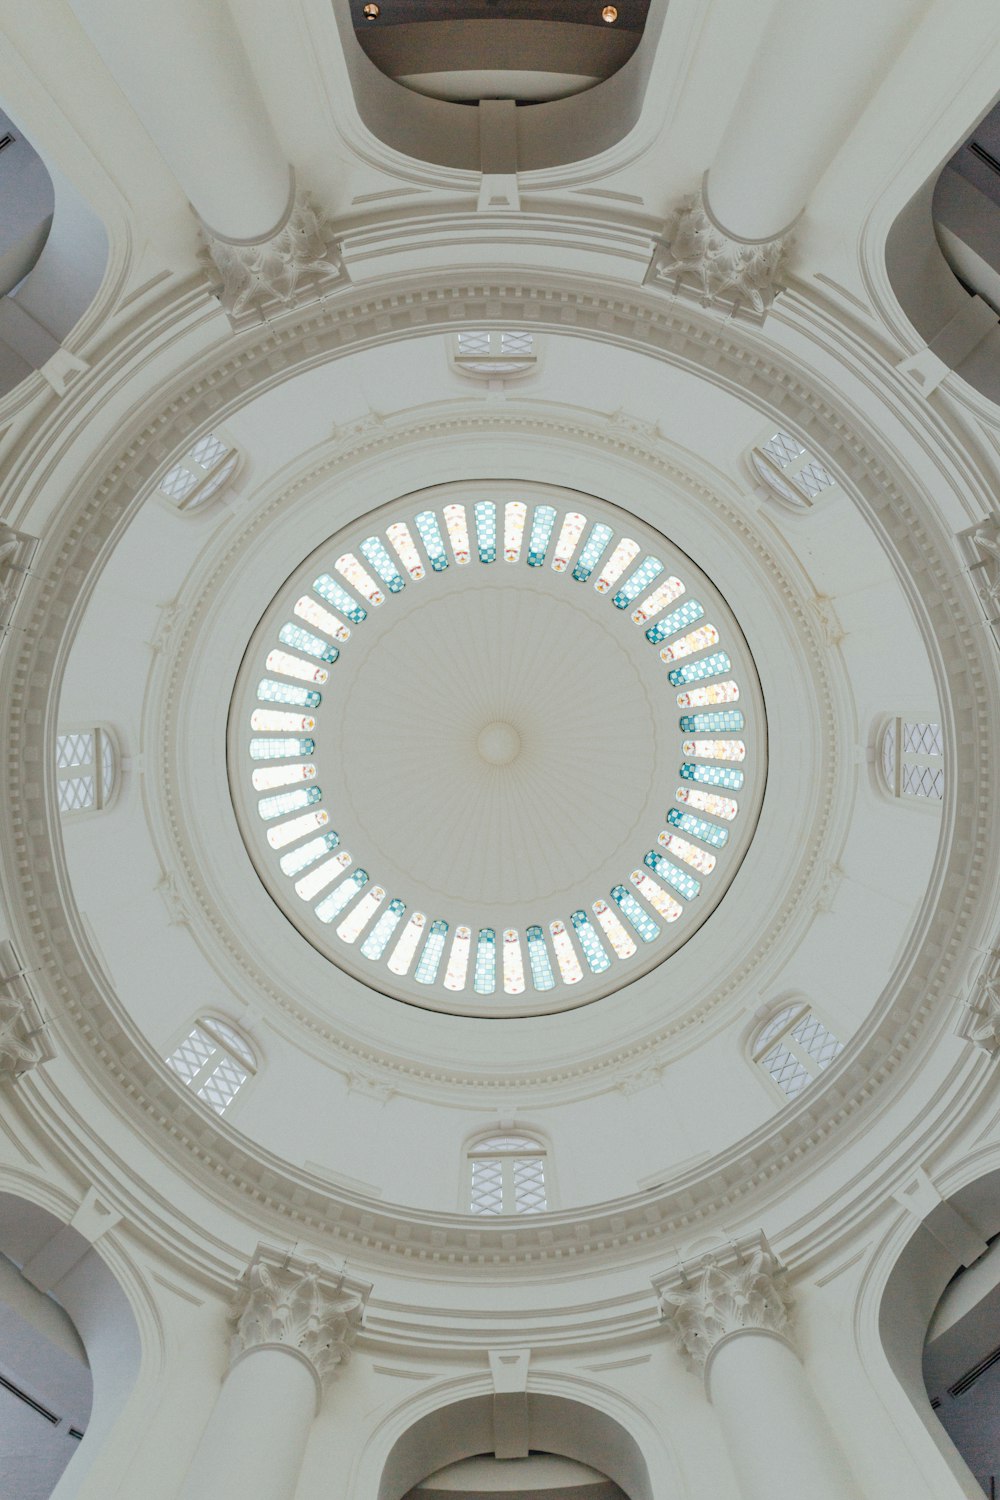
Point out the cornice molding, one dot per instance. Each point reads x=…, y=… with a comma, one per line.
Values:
x=959, y=905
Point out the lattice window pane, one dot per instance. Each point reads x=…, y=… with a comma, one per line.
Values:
x=777, y=1026
x=232, y=1040
x=517, y=342
x=813, y=478
x=922, y=739
x=889, y=753
x=221, y=1086
x=192, y=1055
x=504, y=1143
x=529, y=1186
x=814, y=1038
x=782, y=448
x=74, y=750
x=487, y=1187
x=787, y=1071
x=178, y=482
x=474, y=342
x=923, y=781
x=208, y=450
x=76, y=793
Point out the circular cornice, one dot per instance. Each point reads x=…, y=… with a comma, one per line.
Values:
x=957, y=912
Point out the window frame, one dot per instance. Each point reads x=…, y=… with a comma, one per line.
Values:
x=494, y=363
x=474, y=1151
x=777, y=478
x=209, y=1023
x=196, y=501
x=894, y=789
x=104, y=741
x=799, y=1008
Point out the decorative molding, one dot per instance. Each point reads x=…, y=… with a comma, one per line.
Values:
x=980, y=1021
x=913, y=1010
x=725, y=270
x=728, y=1294
x=16, y=551
x=980, y=546
x=296, y=1304
x=24, y=1034
x=295, y=265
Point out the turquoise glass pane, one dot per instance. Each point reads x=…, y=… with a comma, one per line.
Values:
x=269, y=691
x=331, y=906
x=682, y=882
x=286, y=802
x=724, y=719
x=709, y=833
x=689, y=611
x=374, y=552
x=593, y=550
x=648, y=569
x=696, y=671
x=304, y=640
x=307, y=854
x=633, y=913
x=538, y=957
x=542, y=523
x=279, y=749
x=430, y=959
x=377, y=940
x=486, y=530
x=329, y=589
x=593, y=949
x=430, y=535
x=713, y=775
x=486, y=962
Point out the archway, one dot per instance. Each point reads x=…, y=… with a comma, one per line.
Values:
x=551, y=1426
x=75, y=1332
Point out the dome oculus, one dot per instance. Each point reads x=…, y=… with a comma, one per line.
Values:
x=497, y=788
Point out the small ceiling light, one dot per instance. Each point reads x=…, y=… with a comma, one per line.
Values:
x=610, y=14
x=371, y=11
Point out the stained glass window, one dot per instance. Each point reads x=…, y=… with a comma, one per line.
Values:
x=485, y=981
x=297, y=828
x=700, y=828
x=329, y=589
x=593, y=550
x=307, y=609
x=287, y=802
x=295, y=666
x=696, y=671
x=648, y=569
x=514, y=515
x=357, y=920
x=715, y=749
x=269, y=691
x=714, y=723
x=215, y=1061
x=681, y=881
x=507, y=1176
x=458, y=959
x=331, y=906
x=689, y=611
x=430, y=535
x=793, y=1047
x=513, y=963
x=486, y=530
x=715, y=692
x=718, y=807
x=308, y=854
x=562, y=947
x=665, y=593
x=280, y=749
x=406, y=945
x=265, y=778
x=593, y=949
x=310, y=885
x=458, y=533
x=566, y=542
x=659, y=900
x=359, y=578
x=542, y=522
x=377, y=940
x=269, y=719
x=542, y=976
x=619, y=939
x=633, y=912
x=687, y=645
x=712, y=775
x=430, y=960
x=625, y=553
x=374, y=553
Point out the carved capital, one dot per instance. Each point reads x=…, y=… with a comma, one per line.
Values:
x=980, y=1024
x=296, y=263
x=724, y=1298
x=24, y=1039
x=286, y=1301
x=723, y=269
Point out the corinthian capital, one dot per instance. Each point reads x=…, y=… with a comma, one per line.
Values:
x=295, y=263
x=289, y=1303
x=724, y=1298
x=721, y=267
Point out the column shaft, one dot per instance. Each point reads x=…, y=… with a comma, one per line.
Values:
x=183, y=68
x=778, y=1438
x=256, y=1436
x=815, y=70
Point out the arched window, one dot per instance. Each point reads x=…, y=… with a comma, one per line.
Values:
x=215, y=1061
x=208, y=464
x=793, y=1046
x=911, y=756
x=506, y=1175
x=494, y=353
x=86, y=769
x=790, y=471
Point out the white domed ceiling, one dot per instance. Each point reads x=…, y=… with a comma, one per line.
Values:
x=497, y=749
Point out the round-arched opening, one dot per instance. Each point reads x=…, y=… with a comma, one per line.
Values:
x=554, y=1446
x=69, y=1350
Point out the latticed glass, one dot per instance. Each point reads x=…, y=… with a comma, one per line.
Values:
x=215, y=1061
x=793, y=1047
x=507, y=1176
x=85, y=770
x=913, y=759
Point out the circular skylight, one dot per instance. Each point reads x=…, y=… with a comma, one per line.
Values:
x=497, y=749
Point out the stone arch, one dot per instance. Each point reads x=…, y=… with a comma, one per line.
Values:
x=59, y=1259
x=919, y=1261
x=555, y=1424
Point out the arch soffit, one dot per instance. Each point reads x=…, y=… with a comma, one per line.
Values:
x=895, y=508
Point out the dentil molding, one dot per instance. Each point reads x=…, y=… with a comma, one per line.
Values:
x=960, y=904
